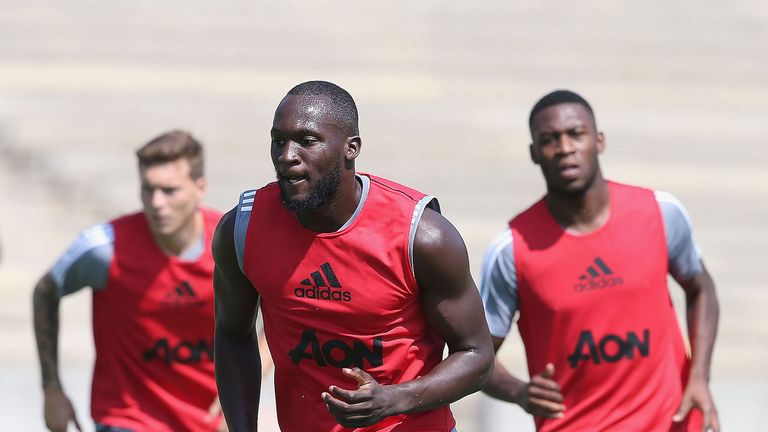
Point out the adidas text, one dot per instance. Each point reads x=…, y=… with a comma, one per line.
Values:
x=598, y=283
x=323, y=294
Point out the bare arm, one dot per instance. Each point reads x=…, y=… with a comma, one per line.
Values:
x=58, y=409
x=45, y=308
x=540, y=397
x=237, y=359
x=503, y=385
x=703, y=312
x=454, y=310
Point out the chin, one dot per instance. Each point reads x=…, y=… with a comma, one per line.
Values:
x=165, y=230
x=575, y=187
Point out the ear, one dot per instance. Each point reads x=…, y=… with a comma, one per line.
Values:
x=201, y=184
x=534, y=154
x=600, y=143
x=353, y=146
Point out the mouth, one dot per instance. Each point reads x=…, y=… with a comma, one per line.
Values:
x=569, y=171
x=292, y=179
x=161, y=220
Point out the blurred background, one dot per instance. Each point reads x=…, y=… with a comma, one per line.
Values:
x=444, y=90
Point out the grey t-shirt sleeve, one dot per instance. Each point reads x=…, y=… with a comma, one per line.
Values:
x=498, y=284
x=683, y=253
x=86, y=262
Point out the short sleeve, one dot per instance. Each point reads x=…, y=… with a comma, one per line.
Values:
x=86, y=262
x=498, y=284
x=683, y=254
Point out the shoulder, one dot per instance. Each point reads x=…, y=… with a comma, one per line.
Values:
x=94, y=244
x=210, y=214
x=530, y=217
x=672, y=210
x=93, y=237
x=128, y=219
x=404, y=192
x=435, y=231
x=223, y=237
x=499, y=243
x=668, y=200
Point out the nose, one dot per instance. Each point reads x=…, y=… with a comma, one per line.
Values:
x=565, y=144
x=288, y=154
x=158, y=199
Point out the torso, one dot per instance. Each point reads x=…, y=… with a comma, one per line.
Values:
x=598, y=307
x=153, y=330
x=342, y=299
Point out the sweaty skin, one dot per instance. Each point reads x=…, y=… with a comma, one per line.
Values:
x=450, y=302
x=308, y=144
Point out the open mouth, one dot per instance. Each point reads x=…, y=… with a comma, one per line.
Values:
x=293, y=179
x=569, y=171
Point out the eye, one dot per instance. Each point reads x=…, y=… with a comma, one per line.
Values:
x=168, y=190
x=308, y=141
x=547, y=139
x=277, y=142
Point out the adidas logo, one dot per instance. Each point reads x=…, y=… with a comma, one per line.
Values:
x=317, y=287
x=182, y=294
x=597, y=276
x=183, y=290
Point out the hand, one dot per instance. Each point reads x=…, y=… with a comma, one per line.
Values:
x=58, y=411
x=367, y=405
x=541, y=397
x=697, y=395
x=215, y=415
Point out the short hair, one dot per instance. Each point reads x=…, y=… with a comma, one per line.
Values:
x=343, y=109
x=172, y=146
x=558, y=97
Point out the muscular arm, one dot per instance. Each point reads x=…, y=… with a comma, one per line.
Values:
x=703, y=313
x=57, y=408
x=238, y=362
x=454, y=309
x=45, y=307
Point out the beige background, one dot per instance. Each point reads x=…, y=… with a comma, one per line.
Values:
x=444, y=90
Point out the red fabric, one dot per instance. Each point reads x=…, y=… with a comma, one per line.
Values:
x=608, y=287
x=153, y=330
x=367, y=296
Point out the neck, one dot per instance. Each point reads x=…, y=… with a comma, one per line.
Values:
x=335, y=212
x=175, y=244
x=582, y=212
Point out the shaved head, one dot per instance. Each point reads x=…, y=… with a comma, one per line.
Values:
x=335, y=103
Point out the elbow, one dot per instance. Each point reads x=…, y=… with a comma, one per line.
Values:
x=44, y=293
x=487, y=371
x=484, y=361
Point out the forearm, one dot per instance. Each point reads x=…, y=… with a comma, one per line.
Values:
x=703, y=312
x=503, y=385
x=238, y=377
x=46, y=323
x=460, y=374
